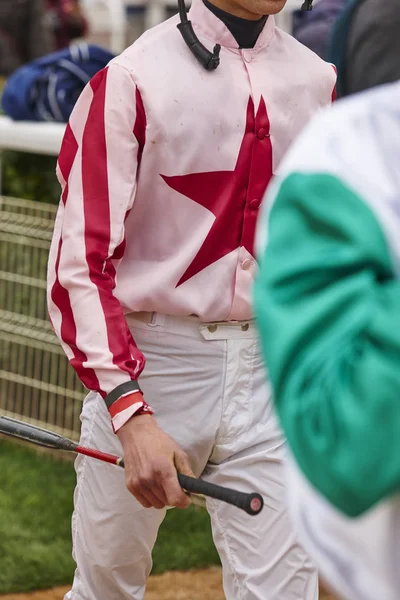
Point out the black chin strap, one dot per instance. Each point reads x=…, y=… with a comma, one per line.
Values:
x=209, y=60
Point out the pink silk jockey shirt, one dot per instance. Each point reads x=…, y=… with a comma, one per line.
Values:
x=163, y=167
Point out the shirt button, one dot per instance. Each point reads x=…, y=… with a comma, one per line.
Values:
x=254, y=204
x=246, y=264
x=262, y=133
x=212, y=328
x=245, y=327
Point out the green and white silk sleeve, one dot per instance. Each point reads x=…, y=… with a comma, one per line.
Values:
x=328, y=305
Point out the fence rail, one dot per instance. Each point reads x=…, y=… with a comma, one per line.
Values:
x=36, y=380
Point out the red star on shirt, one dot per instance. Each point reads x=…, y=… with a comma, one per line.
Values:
x=232, y=196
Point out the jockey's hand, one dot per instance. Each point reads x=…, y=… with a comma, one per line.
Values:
x=152, y=460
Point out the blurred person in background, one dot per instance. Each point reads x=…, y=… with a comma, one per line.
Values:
x=23, y=33
x=366, y=45
x=314, y=28
x=327, y=300
x=67, y=21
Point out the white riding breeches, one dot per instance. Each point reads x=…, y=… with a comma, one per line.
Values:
x=206, y=383
x=358, y=557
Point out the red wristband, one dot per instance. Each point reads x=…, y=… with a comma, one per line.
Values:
x=127, y=407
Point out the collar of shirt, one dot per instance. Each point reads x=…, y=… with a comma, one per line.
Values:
x=245, y=31
x=207, y=24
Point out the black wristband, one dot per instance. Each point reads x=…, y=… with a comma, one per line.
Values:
x=121, y=390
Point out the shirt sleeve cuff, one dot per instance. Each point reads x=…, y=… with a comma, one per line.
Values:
x=128, y=404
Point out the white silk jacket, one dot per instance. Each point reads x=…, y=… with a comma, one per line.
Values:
x=163, y=167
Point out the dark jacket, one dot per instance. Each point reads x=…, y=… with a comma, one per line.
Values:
x=366, y=45
x=314, y=28
x=23, y=33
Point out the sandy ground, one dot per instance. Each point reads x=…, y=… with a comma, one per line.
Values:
x=174, y=585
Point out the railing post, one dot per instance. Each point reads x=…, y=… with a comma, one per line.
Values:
x=1, y=171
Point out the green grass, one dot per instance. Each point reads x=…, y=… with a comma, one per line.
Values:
x=184, y=541
x=35, y=514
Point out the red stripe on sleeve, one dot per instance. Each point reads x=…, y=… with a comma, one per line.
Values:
x=97, y=229
x=139, y=129
x=334, y=92
x=69, y=148
x=60, y=297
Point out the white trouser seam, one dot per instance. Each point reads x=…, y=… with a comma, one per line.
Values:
x=229, y=551
x=82, y=478
x=224, y=439
x=223, y=387
x=251, y=374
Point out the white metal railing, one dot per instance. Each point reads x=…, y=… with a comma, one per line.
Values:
x=36, y=381
x=109, y=16
x=26, y=136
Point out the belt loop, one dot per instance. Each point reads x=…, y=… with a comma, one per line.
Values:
x=157, y=320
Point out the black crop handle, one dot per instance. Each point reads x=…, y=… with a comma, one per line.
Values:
x=250, y=503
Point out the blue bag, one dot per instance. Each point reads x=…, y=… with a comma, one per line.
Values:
x=46, y=89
